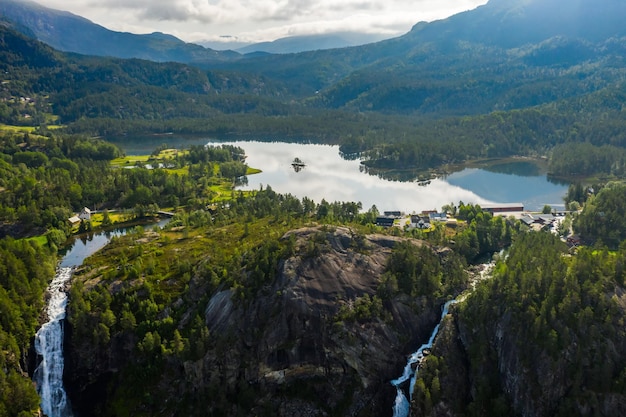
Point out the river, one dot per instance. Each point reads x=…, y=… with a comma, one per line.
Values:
x=49, y=338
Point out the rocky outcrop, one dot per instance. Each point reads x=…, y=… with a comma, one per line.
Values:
x=287, y=351
x=492, y=356
x=289, y=337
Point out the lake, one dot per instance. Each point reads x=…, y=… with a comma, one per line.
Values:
x=328, y=176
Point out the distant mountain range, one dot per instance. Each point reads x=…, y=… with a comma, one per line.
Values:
x=500, y=23
x=507, y=54
x=295, y=44
x=71, y=33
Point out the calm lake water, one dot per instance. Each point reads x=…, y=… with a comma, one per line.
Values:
x=328, y=176
x=89, y=243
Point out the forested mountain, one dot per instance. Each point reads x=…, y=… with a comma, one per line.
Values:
x=514, y=23
x=68, y=32
x=264, y=304
x=434, y=96
x=504, y=55
x=486, y=53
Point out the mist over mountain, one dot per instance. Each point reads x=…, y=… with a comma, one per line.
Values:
x=71, y=33
x=501, y=56
x=295, y=44
x=514, y=23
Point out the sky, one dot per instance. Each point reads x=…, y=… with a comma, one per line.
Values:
x=260, y=20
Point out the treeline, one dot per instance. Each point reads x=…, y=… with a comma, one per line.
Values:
x=585, y=159
x=602, y=220
x=418, y=271
x=484, y=234
x=545, y=334
x=45, y=179
x=401, y=144
x=560, y=316
x=563, y=134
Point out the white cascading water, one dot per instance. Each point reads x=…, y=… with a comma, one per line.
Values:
x=401, y=406
x=49, y=345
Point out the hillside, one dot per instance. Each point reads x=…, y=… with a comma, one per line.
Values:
x=543, y=337
x=438, y=95
x=265, y=303
x=302, y=318
x=70, y=33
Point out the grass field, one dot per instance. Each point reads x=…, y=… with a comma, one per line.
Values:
x=220, y=189
x=22, y=129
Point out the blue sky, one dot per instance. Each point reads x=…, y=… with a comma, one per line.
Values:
x=260, y=20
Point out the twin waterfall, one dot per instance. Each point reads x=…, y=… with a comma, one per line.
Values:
x=402, y=406
x=49, y=345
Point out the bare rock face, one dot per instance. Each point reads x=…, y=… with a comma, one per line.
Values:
x=289, y=338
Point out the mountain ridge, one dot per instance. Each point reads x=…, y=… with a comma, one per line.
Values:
x=80, y=35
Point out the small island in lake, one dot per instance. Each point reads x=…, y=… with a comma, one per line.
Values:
x=298, y=164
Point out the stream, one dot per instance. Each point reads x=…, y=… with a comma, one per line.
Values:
x=48, y=375
x=402, y=405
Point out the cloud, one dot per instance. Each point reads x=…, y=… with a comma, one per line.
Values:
x=230, y=11
x=264, y=19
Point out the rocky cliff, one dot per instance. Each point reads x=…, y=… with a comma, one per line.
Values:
x=315, y=340
x=543, y=337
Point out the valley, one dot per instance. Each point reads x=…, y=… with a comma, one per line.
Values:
x=275, y=289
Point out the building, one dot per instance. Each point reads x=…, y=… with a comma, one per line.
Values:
x=503, y=208
x=385, y=221
x=438, y=217
x=528, y=219
x=420, y=222
x=85, y=214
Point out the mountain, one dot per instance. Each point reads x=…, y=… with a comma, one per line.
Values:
x=398, y=93
x=70, y=33
x=503, y=55
x=225, y=43
x=514, y=23
x=295, y=44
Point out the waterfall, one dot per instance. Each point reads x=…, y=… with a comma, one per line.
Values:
x=49, y=345
x=401, y=406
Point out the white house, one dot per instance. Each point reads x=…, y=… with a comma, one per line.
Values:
x=85, y=214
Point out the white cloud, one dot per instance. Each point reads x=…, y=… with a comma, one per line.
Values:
x=260, y=20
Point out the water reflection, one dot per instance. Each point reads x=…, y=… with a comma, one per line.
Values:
x=522, y=169
x=328, y=176
x=87, y=244
x=332, y=177
x=533, y=191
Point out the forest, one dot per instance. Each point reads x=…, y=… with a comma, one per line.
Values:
x=561, y=307
x=563, y=317
x=481, y=112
